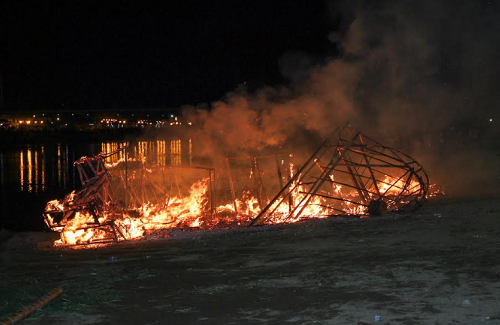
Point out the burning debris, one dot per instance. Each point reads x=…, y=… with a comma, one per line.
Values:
x=349, y=174
x=124, y=200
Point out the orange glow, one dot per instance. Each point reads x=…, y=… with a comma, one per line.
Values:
x=30, y=171
x=152, y=199
x=43, y=168
x=21, y=169
x=175, y=152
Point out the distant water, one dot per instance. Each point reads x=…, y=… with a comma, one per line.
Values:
x=31, y=175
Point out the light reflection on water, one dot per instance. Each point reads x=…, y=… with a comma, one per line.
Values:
x=33, y=169
x=32, y=177
x=152, y=152
x=109, y=147
x=176, y=153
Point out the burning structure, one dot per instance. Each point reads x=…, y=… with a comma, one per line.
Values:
x=349, y=174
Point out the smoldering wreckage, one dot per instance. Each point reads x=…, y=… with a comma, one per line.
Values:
x=349, y=174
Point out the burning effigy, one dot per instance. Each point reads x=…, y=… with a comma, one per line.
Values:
x=349, y=174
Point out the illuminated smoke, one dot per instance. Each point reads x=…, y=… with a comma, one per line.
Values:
x=419, y=76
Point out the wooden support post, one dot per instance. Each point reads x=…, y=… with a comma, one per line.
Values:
x=367, y=161
x=211, y=181
x=113, y=230
x=304, y=169
x=358, y=185
x=258, y=192
x=231, y=186
x=261, y=188
x=278, y=171
x=117, y=231
x=125, y=199
x=89, y=163
x=314, y=189
x=290, y=194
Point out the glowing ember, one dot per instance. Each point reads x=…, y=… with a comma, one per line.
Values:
x=126, y=200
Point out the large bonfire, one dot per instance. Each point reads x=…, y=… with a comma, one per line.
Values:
x=348, y=175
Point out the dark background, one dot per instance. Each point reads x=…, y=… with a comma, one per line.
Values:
x=84, y=55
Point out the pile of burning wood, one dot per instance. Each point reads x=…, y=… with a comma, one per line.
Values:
x=349, y=174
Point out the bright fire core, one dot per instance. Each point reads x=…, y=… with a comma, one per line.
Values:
x=126, y=199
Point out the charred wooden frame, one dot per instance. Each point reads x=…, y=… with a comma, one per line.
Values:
x=348, y=174
x=349, y=162
x=110, y=191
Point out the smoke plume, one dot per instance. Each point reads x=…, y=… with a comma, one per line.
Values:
x=420, y=76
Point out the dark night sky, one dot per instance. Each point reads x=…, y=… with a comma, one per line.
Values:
x=169, y=54
x=423, y=72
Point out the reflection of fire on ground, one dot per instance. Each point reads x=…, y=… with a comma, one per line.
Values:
x=349, y=174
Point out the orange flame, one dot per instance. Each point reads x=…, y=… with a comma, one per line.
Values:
x=192, y=211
